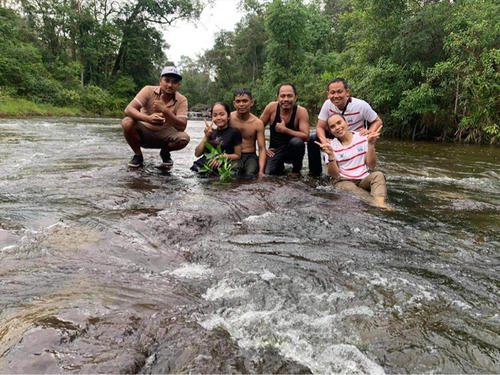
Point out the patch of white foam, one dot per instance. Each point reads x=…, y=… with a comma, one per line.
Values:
x=330, y=319
x=192, y=271
x=329, y=297
x=461, y=304
x=254, y=218
x=313, y=337
x=267, y=275
x=480, y=182
x=224, y=290
x=290, y=334
x=8, y=249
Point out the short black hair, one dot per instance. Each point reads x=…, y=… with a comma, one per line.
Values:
x=335, y=80
x=242, y=91
x=287, y=84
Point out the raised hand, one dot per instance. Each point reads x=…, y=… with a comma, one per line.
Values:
x=208, y=129
x=326, y=147
x=280, y=127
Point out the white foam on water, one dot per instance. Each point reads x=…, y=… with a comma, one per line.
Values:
x=345, y=359
x=192, y=271
x=311, y=337
x=255, y=218
x=278, y=328
x=469, y=182
x=329, y=297
x=330, y=319
x=461, y=304
x=224, y=290
x=7, y=249
x=267, y=275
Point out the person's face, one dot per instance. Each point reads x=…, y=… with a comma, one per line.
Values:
x=337, y=126
x=338, y=94
x=219, y=116
x=286, y=97
x=242, y=103
x=169, y=84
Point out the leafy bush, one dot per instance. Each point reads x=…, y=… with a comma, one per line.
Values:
x=225, y=168
x=123, y=87
x=67, y=97
x=95, y=99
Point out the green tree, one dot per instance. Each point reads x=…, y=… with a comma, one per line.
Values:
x=286, y=22
x=137, y=13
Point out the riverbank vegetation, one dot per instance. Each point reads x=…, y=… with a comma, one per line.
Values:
x=429, y=68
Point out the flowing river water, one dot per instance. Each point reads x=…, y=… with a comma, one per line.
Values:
x=107, y=269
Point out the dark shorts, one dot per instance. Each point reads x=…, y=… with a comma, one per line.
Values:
x=249, y=164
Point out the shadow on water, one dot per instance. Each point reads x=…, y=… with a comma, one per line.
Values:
x=106, y=269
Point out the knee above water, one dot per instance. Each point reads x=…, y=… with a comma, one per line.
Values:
x=377, y=175
x=296, y=142
x=127, y=123
x=180, y=144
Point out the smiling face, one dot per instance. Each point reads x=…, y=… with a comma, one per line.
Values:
x=337, y=126
x=338, y=94
x=219, y=116
x=242, y=103
x=286, y=97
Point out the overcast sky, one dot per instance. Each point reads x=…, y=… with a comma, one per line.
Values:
x=192, y=38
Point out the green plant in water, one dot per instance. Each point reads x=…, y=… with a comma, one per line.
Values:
x=225, y=168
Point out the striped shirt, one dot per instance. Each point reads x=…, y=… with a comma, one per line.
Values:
x=351, y=159
x=357, y=112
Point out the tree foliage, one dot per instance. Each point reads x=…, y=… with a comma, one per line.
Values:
x=86, y=52
x=428, y=67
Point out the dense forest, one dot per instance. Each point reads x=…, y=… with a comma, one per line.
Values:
x=428, y=67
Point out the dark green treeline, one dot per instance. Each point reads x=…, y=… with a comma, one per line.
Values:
x=428, y=67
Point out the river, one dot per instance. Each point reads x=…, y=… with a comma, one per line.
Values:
x=107, y=269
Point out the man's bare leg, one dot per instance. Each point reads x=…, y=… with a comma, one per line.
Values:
x=131, y=135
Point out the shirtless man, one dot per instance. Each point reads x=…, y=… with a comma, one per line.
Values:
x=252, y=130
x=289, y=131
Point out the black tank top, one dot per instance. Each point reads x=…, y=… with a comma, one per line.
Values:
x=281, y=139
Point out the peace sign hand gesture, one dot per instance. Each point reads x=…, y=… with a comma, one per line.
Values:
x=326, y=147
x=208, y=129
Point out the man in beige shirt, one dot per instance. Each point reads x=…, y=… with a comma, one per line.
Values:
x=157, y=118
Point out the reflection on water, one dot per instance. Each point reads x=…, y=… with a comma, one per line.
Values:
x=106, y=269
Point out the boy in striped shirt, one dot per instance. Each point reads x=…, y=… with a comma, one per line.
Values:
x=350, y=158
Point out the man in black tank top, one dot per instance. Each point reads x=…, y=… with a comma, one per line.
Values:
x=289, y=131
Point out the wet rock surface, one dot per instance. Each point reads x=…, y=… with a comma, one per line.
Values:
x=109, y=270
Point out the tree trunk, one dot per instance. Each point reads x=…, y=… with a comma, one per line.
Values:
x=121, y=52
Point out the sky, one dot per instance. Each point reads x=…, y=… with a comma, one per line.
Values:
x=193, y=38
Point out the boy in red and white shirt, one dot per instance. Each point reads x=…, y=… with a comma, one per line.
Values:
x=350, y=158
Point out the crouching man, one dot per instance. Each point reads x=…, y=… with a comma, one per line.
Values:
x=157, y=118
